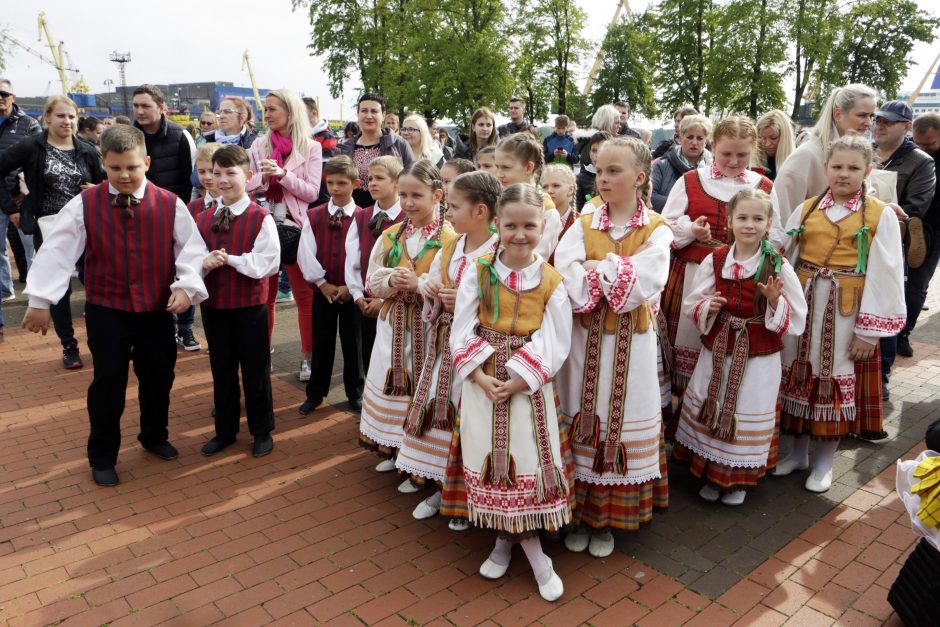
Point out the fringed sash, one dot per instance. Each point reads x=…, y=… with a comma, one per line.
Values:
x=404, y=318
x=440, y=412
x=499, y=468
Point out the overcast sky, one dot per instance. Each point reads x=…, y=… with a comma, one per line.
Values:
x=183, y=42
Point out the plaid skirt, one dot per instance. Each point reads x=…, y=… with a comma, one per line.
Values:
x=869, y=409
x=621, y=506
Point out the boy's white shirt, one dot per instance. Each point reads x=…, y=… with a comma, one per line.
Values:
x=307, y=250
x=265, y=256
x=353, y=271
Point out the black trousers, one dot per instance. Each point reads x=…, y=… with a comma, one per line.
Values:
x=238, y=338
x=61, y=312
x=367, y=330
x=326, y=318
x=117, y=338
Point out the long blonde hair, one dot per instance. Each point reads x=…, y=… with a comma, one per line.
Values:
x=297, y=123
x=424, y=152
x=778, y=120
x=843, y=98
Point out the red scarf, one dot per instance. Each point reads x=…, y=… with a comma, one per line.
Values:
x=281, y=148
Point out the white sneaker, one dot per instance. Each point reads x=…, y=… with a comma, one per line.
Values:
x=788, y=466
x=819, y=482
x=425, y=510
x=578, y=540
x=386, y=465
x=734, y=498
x=602, y=544
x=304, y=374
x=458, y=524
x=407, y=487
x=709, y=493
x=553, y=588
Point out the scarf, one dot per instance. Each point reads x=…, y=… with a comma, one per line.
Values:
x=228, y=140
x=281, y=148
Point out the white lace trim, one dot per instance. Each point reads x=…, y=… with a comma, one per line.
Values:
x=718, y=459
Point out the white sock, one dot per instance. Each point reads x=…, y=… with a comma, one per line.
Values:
x=825, y=454
x=434, y=500
x=800, y=450
x=537, y=559
x=502, y=552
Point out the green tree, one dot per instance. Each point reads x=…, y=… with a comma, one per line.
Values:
x=813, y=25
x=683, y=44
x=626, y=71
x=874, y=44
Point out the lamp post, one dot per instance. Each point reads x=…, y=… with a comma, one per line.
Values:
x=109, y=84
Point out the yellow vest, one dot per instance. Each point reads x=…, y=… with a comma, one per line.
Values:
x=520, y=312
x=422, y=265
x=596, y=246
x=447, y=254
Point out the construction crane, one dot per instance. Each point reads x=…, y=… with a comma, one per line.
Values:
x=246, y=63
x=930, y=70
x=589, y=83
x=57, y=52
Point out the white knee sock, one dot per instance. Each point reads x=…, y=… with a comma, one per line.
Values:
x=800, y=450
x=434, y=500
x=825, y=454
x=502, y=552
x=537, y=559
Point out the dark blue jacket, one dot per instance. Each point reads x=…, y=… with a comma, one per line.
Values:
x=555, y=141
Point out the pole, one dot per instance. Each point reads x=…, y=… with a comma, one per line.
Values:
x=589, y=83
x=914, y=94
x=246, y=63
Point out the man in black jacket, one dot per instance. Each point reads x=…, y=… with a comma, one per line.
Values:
x=516, y=123
x=172, y=153
x=15, y=126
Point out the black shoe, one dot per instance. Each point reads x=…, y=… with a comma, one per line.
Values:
x=187, y=340
x=885, y=393
x=70, y=357
x=904, y=346
x=215, y=445
x=163, y=450
x=309, y=405
x=106, y=477
x=356, y=404
x=262, y=446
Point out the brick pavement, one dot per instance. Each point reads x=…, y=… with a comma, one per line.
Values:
x=312, y=535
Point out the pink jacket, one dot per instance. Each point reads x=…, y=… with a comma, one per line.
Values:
x=301, y=183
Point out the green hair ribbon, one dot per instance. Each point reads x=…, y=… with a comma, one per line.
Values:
x=797, y=232
x=431, y=243
x=394, y=255
x=492, y=228
x=864, y=243
x=767, y=251
x=494, y=284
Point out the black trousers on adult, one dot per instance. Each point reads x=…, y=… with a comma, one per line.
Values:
x=117, y=338
x=367, y=331
x=61, y=312
x=238, y=338
x=326, y=318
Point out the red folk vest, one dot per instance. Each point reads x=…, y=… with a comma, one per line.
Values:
x=366, y=239
x=228, y=288
x=331, y=242
x=196, y=207
x=129, y=262
x=741, y=295
x=714, y=210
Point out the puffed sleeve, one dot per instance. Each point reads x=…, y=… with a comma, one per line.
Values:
x=628, y=282
x=51, y=271
x=790, y=245
x=675, y=211
x=469, y=349
x=882, y=312
x=265, y=256
x=541, y=359
x=550, y=235
x=789, y=316
x=432, y=305
x=352, y=268
x=583, y=286
x=695, y=305
x=190, y=251
x=310, y=266
x=377, y=277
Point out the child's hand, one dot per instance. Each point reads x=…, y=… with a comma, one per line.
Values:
x=898, y=211
x=37, y=320
x=590, y=264
x=222, y=255
x=772, y=290
x=373, y=307
x=432, y=287
x=404, y=279
x=701, y=230
x=329, y=292
x=342, y=294
x=490, y=385
x=179, y=302
x=448, y=298
x=507, y=389
x=716, y=303
x=212, y=261
x=860, y=349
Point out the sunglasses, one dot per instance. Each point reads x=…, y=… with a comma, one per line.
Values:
x=407, y=129
x=205, y=123
x=6, y=94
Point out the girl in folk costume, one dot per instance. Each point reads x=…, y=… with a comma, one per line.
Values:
x=401, y=255
x=846, y=248
x=559, y=183
x=697, y=210
x=745, y=297
x=511, y=334
x=519, y=159
x=429, y=424
x=615, y=263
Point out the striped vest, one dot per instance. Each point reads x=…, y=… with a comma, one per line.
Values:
x=197, y=206
x=129, y=262
x=366, y=239
x=228, y=288
x=331, y=242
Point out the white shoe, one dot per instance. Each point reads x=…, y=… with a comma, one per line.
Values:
x=602, y=544
x=386, y=465
x=553, y=588
x=819, y=482
x=407, y=487
x=304, y=374
x=491, y=570
x=458, y=524
x=709, y=493
x=577, y=540
x=425, y=510
x=788, y=466
x=734, y=498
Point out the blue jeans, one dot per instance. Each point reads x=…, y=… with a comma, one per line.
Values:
x=915, y=290
x=283, y=283
x=6, y=272
x=184, y=321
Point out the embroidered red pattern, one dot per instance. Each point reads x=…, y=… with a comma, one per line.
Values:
x=623, y=285
x=888, y=325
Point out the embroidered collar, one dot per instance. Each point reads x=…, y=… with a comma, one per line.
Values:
x=531, y=271
x=714, y=173
x=640, y=218
x=852, y=204
x=428, y=230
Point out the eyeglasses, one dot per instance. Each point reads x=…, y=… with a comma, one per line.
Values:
x=6, y=94
x=205, y=123
x=407, y=129
x=227, y=111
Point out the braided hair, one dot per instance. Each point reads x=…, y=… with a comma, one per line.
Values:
x=428, y=174
x=525, y=148
x=642, y=159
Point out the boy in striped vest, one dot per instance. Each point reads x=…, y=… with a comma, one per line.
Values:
x=322, y=258
x=245, y=252
x=142, y=265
